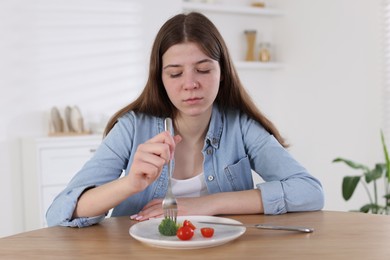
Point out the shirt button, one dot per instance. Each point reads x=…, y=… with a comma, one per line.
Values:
x=215, y=141
x=209, y=151
x=210, y=178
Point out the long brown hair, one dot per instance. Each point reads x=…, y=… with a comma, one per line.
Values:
x=197, y=28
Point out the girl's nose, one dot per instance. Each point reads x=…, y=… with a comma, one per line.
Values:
x=191, y=84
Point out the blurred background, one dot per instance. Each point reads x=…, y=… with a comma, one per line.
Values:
x=325, y=86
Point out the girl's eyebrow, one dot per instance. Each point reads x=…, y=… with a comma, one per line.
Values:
x=204, y=61
x=197, y=63
x=171, y=66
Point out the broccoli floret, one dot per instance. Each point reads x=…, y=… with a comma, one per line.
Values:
x=168, y=227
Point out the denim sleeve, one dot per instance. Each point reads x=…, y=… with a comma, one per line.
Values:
x=60, y=213
x=288, y=186
x=292, y=195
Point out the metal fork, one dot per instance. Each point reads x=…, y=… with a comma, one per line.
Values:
x=169, y=203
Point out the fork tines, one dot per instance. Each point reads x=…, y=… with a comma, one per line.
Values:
x=171, y=214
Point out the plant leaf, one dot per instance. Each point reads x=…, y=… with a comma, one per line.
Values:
x=349, y=186
x=365, y=208
x=386, y=155
x=375, y=173
x=352, y=164
x=374, y=208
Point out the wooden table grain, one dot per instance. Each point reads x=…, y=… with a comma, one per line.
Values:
x=337, y=235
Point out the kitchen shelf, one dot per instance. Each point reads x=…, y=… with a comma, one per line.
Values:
x=240, y=11
x=257, y=65
x=235, y=9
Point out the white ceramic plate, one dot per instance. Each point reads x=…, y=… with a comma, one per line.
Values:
x=76, y=119
x=147, y=232
x=57, y=121
x=68, y=112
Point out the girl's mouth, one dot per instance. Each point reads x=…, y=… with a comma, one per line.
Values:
x=193, y=100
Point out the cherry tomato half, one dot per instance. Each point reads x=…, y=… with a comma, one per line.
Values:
x=189, y=224
x=185, y=233
x=207, y=231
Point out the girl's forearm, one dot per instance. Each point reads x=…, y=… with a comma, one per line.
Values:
x=101, y=199
x=239, y=202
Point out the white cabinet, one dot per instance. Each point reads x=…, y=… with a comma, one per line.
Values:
x=48, y=165
x=232, y=20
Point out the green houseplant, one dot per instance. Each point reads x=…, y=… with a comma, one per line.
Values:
x=369, y=179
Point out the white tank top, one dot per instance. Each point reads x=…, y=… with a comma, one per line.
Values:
x=193, y=187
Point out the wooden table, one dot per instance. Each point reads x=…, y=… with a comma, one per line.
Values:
x=337, y=235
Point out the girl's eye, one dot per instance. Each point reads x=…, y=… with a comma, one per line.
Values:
x=203, y=71
x=175, y=75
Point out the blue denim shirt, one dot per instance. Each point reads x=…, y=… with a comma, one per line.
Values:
x=234, y=146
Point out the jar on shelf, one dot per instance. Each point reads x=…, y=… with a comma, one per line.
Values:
x=251, y=41
x=264, y=52
x=260, y=4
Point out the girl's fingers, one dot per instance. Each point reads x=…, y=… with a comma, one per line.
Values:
x=150, y=159
x=161, y=145
x=155, y=155
x=157, y=145
x=151, y=210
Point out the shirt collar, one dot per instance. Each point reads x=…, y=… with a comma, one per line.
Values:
x=213, y=136
x=214, y=133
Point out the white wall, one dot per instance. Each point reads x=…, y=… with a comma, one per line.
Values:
x=327, y=99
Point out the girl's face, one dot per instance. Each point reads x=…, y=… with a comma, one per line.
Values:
x=191, y=79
